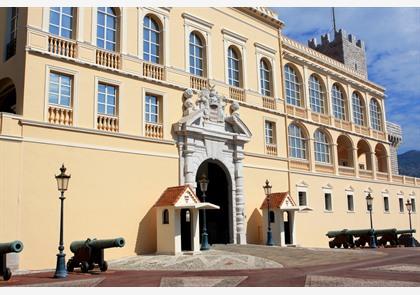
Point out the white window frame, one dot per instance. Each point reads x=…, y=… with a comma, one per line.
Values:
x=304, y=147
x=339, y=110
x=263, y=51
x=297, y=99
x=115, y=83
x=60, y=26
x=358, y=110
x=316, y=101
x=59, y=94
x=323, y=153
x=273, y=132
x=149, y=113
x=327, y=189
x=375, y=114
x=162, y=110
x=231, y=38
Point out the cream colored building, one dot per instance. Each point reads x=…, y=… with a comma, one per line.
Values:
x=114, y=94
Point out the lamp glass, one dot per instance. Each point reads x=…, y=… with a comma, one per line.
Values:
x=267, y=188
x=369, y=200
x=204, y=182
x=409, y=205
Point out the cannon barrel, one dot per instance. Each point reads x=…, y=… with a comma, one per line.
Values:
x=334, y=233
x=359, y=232
x=15, y=246
x=76, y=245
x=380, y=232
x=405, y=231
x=110, y=243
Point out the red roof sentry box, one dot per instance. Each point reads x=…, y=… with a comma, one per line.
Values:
x=280, y=200
x=182, y=197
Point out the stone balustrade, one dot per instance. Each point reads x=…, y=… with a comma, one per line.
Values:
x=62, y=47
x=154, y=130
x=271, y=149
x=342, y=170
x=198, y=82
x=108, y=59
x=237, y=93
x=107, y=123
x=60, y=115
x=269, y=102
x=154, y=71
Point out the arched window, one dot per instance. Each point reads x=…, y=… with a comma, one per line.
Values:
x=316, y=95
x=358, y=110
x=61, y=21
x=106, y=34
x=265, y=77
x=375, y=115
x=196, y=55
x=165, y=216
x=338, y=102
x=292, y=86
x=297, y=142
x=151, y=40
x=321, y=147
x=233, y=67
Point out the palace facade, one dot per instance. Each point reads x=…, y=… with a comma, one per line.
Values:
x=136, y=100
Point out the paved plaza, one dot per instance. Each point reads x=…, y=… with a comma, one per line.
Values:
x=249, y=265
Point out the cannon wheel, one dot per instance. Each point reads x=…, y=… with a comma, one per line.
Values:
x=91, y=266
x=84, y=266
x=331, y=244
x=70, y=266
x=345, y=246
x=104, y=266
x=7, y=274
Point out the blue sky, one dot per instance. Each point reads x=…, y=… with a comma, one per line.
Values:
x=392, y=39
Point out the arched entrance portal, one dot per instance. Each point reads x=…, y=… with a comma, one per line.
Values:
x=219, y=222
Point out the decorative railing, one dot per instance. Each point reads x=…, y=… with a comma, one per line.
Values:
x=296, y=111
x=342, y=124
x=320, y=118
x=11, y=48
x=396, y=178
x=271, y=149
x=301, y=165
x=361, y=129
x=154, y=130
x=198, y=83
x=378, y=134
x=60, y=115
x=324, y=168
x=62, y=47
x=107, y=123
x=365, y=173
x=409, y=180
x=154, y=71
x=237, y=93
x=108, y=59
x=345, y=170
x=269, y=102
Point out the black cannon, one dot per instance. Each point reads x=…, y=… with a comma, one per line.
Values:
x=341, y=238
x=89, y=253
x=386, y=236
x=404, y=237
x=12, y=247
x=363, y=236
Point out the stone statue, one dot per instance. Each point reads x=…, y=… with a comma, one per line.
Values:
x=188, y=105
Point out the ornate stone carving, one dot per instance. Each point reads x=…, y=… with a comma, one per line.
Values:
x=234, y=109
x=188, y=105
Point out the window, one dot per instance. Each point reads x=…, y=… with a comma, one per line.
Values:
x=321, y=147
x=401, y=203
x=350, y=204
x=386, y=204
x=151, y=40
x=272, y=217
x=327, y=198
x=165, y=216
x=269, y=132
x=233, y=67
x=106, y=34
x=338, y=103
x=358, y=117
x=107, y=99
x=375, y=115
x=297, y=142
x=61, y=21
x=152, y=109
x=302, y=199
x=11, y=45
x=60, y=90
x=292, y=87
x=316, y=95
x=413, y=204
x=265, y=77
x=196, y=55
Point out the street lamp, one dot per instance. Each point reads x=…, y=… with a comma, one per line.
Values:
x=62, y=184
x=369, y=202
x=409, y=206
x=204, y=182
x=267, y=191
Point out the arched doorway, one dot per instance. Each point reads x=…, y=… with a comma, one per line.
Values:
x=7, y=96
x=219, y=222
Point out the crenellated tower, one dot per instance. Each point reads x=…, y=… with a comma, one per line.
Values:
x=395, y=138
x=344, y=48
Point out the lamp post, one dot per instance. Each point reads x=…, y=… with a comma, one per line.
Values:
x=409, y=206
x=204, y=182
x=369, y=202
x=62, y=184
x=267, y=190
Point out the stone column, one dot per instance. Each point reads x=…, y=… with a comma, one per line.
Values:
x=188, y=165
x=374, y=166
x=239, y=197
x=334, y=154
x=355, y=162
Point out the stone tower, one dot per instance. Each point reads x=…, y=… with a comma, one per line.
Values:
x=344, y=48
x=395, y=138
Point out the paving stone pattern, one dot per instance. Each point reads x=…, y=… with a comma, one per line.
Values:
x=227, y=281
x=396, y=268
x=329, y=281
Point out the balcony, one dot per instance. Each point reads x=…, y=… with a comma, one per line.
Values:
x=299, y=164
x=107, y=123
x=269, y=102
x=296, y=111
x=346, y=125
x=324, y=168
x=271, y=149
x=348, y=171
x=153, y=130
x=154, y=71
x=198, y=83
x=108, y=59
x=368, y=174
x=378, y=134
x=361, y=130
x=62, y=47
x=237, y=93
x=60, y=115
x=320, y=118
x=396, y=178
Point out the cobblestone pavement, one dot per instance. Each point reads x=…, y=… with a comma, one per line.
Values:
x=380, y=267
x=206, y=260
